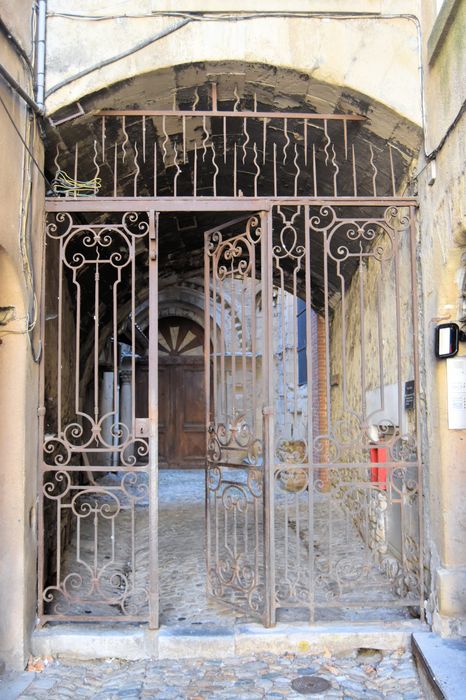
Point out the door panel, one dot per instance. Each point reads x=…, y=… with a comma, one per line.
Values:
x=190, y=404
x=164, y=414
x=181, y=393
x=98, y=470
x=237, y=365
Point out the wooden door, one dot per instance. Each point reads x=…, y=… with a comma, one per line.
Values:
x=181, y=394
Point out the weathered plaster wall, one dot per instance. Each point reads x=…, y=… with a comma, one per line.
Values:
x=307, y=45
x=442, y=219
x=20, y=239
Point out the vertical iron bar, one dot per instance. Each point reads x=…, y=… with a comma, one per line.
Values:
x=268, y=434
x=355, y=182
x=207, y=344
x=345, y=138
x=195, y=171
x=417, y=398
x=77, y=346
x=115, y=169
x=153, y=420
x=233, y=338
x=103, y=139
x=264, y=140
x=75, y=169
x=155, y=168
x=305, y=141
x=41, y=414
x=59, y=339
x=362, y=326
x=311, y=407
x=144, y=138
x=235, y=165
x=224, y=140
x=392, y=171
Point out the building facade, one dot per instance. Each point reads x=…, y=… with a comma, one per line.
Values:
x=223, y=173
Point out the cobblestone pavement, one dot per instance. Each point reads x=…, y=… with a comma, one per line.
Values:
x=367, y=674
x=182, y=570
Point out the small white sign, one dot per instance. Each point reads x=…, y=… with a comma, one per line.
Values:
x=456, y=383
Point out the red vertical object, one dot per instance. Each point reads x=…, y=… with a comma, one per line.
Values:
x=379, y=474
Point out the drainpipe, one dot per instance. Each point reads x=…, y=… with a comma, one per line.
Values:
x=40, y=52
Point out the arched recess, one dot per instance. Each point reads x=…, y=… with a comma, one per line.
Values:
x=385, y=145
x=239, y=86
x=180, y=239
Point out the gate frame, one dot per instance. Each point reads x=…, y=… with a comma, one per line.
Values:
x=154, y=207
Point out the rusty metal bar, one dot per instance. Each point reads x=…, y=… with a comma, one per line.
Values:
x=268, y=418
x=166, y=204
x=153, y=420
x=311, y=359
x=229, y=113
x=418, y=406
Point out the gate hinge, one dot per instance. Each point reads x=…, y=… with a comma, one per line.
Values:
x=41, y=411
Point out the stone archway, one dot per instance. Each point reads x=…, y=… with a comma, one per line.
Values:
x=332, y=229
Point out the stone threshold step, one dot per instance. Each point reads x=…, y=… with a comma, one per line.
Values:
x=133, y=642
x=441, y=665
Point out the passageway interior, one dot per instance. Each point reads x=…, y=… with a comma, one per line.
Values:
x=120, y=548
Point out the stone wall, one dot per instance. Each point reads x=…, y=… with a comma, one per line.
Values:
x=371, y=346
x=442, y=261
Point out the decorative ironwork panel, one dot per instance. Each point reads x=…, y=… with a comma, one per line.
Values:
x=233, y=147
x=97, y=466
x=236, y=450
x=346, y=462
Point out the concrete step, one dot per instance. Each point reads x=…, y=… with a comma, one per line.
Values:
x=131, y=642
x=441, y=666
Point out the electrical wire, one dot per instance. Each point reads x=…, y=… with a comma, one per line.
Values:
x=137, y=47
x=25, y=234
x=235, y=17
x=25, y=144
x=433, y=154
x=211, y=16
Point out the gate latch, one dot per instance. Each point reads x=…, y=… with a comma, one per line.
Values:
x=141, y=428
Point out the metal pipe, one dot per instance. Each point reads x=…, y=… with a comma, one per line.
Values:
x=40, y=53
x=20, y=91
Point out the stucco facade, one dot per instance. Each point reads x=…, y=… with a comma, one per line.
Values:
x=22, y=191
x=397, y=63
x=442, y=211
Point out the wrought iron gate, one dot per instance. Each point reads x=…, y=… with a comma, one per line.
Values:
x=98, y=505
x=313, y=488
x=347, y=490
x=236, y=265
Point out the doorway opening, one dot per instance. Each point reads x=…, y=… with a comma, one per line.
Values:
x=305, y=463
x=279, y=241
